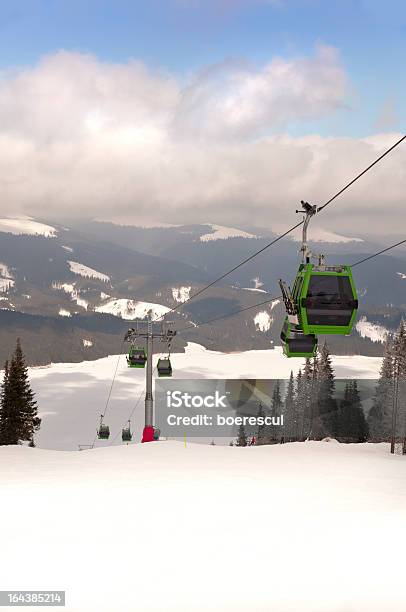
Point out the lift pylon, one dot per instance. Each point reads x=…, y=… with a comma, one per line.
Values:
x=152, y=334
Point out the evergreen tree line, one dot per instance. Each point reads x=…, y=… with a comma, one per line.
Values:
x=312, y=412
x=18, y=409
x=387, y=417
x=310, y=409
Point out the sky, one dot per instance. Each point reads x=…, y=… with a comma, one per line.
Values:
x=223, y=111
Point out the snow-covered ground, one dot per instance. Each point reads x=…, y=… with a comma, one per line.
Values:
x=86, y=272
x=26, y=225
x=64, y=313
x=71, y=396
x=181, y=294
x=132, y=309
x=220, y=232
x=309, y=527
x=373, y=331
x=6, y=278
x=320, y=234
x=263, y=320
x=71, y=290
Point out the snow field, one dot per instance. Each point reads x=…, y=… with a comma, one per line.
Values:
x=26, y=225
x=132, y=309
x=86, y=272
x=220, y=232
x=315, y=527
x=71, y=396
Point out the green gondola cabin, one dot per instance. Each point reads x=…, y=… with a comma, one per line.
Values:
x=126, y=434
x=295, y=343
x=325, y=298
x=136, y=357
x=164, y=368
x=103, y=432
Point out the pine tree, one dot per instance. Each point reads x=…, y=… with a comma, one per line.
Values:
x=4, y=404
x=242, y=437
x=398, y=425
x=324, y=404
x=274, y=431
x=350, y=424
x=289, y=411
x=300, y=406
x=261, y=433
x=380, y=415
x=18, y=413
x=308, y=398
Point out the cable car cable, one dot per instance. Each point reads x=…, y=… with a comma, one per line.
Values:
x=379, y=253
x=194, y=326
x=132, y=412
x=230, y=314
x=134, y=409
x=110, y=390
x=232, y=269
x=362, y=173
x=112, y=381
x=267, y=246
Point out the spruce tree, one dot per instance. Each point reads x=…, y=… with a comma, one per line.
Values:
x=18, y=414
x=289, y=411
x=325, y=405
x=242, y=437
x=380, y=415
x=308, y=398
x=261, y=428
x=399, y=363
x=5, y=405
x=300, y=405
x=274, y=431
x=350, y=424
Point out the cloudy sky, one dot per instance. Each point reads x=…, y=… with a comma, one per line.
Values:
x=228, y=111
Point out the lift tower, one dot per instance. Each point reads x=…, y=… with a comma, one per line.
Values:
x=152, y=336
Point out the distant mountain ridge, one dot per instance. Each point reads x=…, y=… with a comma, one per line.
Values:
x=67, y=273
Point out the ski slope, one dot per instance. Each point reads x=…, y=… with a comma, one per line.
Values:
x=309, y=527
x=71, y=396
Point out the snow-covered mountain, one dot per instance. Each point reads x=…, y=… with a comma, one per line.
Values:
x=26, y=226
x=220, y=232
x=131, y=309
x=65, y=271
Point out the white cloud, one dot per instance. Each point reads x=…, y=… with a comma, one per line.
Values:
x=116, y=141
x=233, y=100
